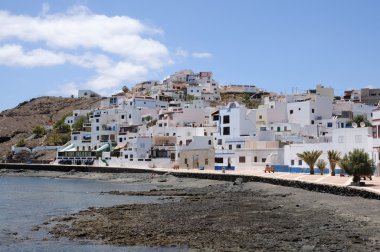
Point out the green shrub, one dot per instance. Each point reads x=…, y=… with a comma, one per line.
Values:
x=60, y=126
x=57, y=139
x=39, y=131
x=78, y=125
x=21, y=143
x=358, y=164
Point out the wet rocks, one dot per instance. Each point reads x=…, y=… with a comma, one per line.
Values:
x=215, y=218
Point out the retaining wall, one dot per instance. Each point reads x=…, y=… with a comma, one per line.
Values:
x=338, y=190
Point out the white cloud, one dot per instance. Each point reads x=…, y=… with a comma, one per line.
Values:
x=116, y=48
x=201, y=55
x=181, y=53
x=67, y=89
x=14, y=55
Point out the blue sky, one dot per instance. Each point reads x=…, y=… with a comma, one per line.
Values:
x=57, y=47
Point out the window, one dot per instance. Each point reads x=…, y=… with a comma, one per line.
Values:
x=126, y=156
x=291, y=111
x=75, y=138
x=230, y=146
x=299, y=109
x=206, y=161
x=209, y=142
x=120, y=139
x=341, y=139
x=312, y=122
x=97, y=128
x=97, y=120
x=238, y=146
x=226, y=131
x=312, y=110
x=292, y=162
x=242, y=159
x=260, y=117
x=220, y=142
x=129, y=116
x=219, y=160
x=263, y=160
x=122, y=116
x=205, y=133
x=358, y=139
x=226, y=119
x=255, y=159
x=329, y=125
x=300, y=162
x=185, y=161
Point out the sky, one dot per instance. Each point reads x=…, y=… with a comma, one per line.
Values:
x=58, y=47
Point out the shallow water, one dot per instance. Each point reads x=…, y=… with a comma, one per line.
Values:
x=29, y=201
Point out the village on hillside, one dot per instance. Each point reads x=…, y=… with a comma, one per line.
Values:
x=182, y=122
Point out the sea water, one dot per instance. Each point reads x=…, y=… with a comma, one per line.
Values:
x=29, y=201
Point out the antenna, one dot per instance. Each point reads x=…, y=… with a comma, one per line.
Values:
x=362, y=124
x=354, y=125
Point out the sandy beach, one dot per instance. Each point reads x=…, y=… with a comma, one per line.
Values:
x=222, y=216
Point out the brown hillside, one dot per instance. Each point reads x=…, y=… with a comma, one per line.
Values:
x=18, y=123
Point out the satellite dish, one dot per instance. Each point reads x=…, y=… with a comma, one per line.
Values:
x=362, y=124
x=354, y=125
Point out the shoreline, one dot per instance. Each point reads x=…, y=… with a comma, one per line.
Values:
x=216, y=215
x=231, y=217
x=364, y=192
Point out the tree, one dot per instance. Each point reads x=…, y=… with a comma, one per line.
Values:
x=334, y=157
x=39, y=131
x=358, y=164
x=248, y=102
x=125, y=89
x=343, y=164
x=60, y=125
x=361, y=118
x=321, y=164
x=78, y=125
x=310, y=158
x=189, y=97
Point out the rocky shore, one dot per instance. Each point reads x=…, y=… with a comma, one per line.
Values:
x=232, y=217
x=210, y=215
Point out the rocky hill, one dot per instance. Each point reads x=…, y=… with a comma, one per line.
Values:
x=18, y=123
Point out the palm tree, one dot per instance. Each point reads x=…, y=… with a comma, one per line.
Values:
x=310, y=158
x=334, y=157
x=343, y=164
x=321, y=164
x=361, y=118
